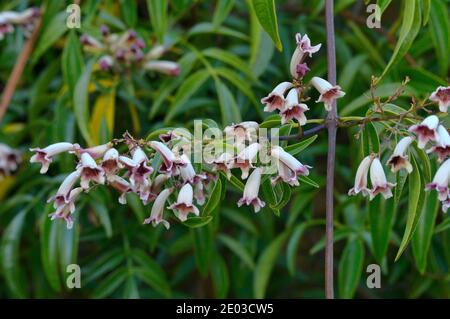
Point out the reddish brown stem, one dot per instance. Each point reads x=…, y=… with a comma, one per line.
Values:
x=18, y=70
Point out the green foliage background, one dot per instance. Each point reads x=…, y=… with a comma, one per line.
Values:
x=227, y=64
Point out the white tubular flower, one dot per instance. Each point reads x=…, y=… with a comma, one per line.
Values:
x=380, y=185
x=223, y=163
x=62, y=195
x=164, y=67
x=170, y=161
x=399, y=159
x=95, y=152
x=441, y=180
x=251, y=190
x=199, y=192
x=286, y=175
x=91, y=44
x=66, y=210
x=293, y=109
x=187, y=172
x=45, y=155
x=442, y=97
x=244, y=160
x=442, y=149
x=328, y=92
x=156, y=214
x=155, y=53
x=122, y=186
x=361, y=177
x=426, y=131
x=291, y=162
x=158, y=183
x=275, y=100
x=110, y=163
x=90, y=171
x=303, y=48
x=242, y=131
x=183, y=206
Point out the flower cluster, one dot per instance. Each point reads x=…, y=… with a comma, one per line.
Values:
x=426, y=132
x=25, y=19
x=9, y=160
x=290, y=105
x=123, y=51
x=162, y=172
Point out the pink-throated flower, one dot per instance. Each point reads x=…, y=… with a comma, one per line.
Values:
x=442, y=97
x=426, y=131
x=399, y=158
x=187, y=172
x=65, y=210
x=328, y=92
x=275, y=100
x=110, y=163
x=170, y=160
x=251, y=190
x=165, y=67
x=95, y=151
x=247, y=130
x=223, y=163
x=122, y=186
x=361, y=177
x=140, y=172
x=90, y=171
x=9, y=159
x=62, y=195
x=286, y=175
x=244, y=160
x=380, y=185
x=441, y=180
x=303, y=48
x=445, y=205
x=442, y=149
x=296, y=168
x=106, y=62
x=156, y=214
x=183, y=206
x=293, y=109
x=45, y=155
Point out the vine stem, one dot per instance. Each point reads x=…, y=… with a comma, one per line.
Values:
x=332, y=124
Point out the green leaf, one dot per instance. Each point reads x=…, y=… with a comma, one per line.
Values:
x=68, y=246
x=426, y=11
x=52, y=32
x=350, y=267
x=440, y=34
x=209, y=28
x=9, y=250
x=381, y=217
x=128, y=10
x=220, y=277
x=110, y=284
x=421, y=240
x=223, y=8
x=102, y=213
x=266, y=14
x=228, y=58
x=194, y=222
x=238, y=249
x=309, y=181
x=415, y=200
x=214, y=199
x=81, y=102
x=373, y=138
x=412, y=21
x=265, y=265
x=203, y=248
x=292, y=247
x=186, y=90
x=295, y=149
x=157, y=10
x=228, y=106
x=49, y=249
x=72, y=61
x=383, y=4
